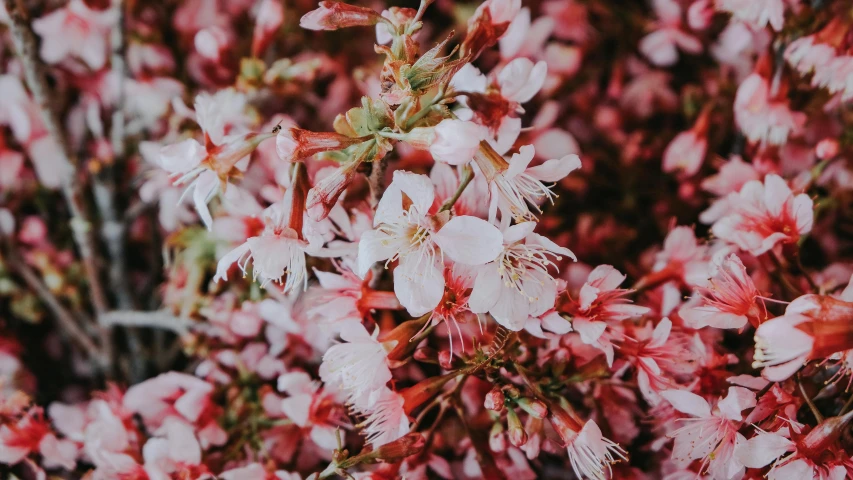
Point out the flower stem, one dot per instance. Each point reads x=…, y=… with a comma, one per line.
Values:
x=467, y=176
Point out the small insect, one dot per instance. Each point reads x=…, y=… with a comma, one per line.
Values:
x=276, y=128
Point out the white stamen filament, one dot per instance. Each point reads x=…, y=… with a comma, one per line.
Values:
x=587, y=464
x=521, y=190
x=517, y=261
x=409, y=236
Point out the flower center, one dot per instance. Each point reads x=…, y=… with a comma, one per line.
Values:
x=517, y=263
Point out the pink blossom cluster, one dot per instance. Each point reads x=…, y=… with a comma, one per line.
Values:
x=268, y=239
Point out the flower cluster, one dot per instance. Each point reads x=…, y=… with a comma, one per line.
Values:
x=258, y=239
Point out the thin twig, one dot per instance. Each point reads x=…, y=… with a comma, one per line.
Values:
x=36, y=77
x=809, y=401
x=113, y=229
x=64, y=318
x=161, y=320
x=34, y=72
x=464, y=181
x=376, y=181
x=846, y=406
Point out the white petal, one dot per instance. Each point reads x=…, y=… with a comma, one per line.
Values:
x=687, y=402
x=469, y=240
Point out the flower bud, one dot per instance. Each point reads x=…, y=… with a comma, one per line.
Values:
x=511, y=392
x=426, y=354
x=822, y=308
x=422, y=391
x=565, y=424
x=515, y=431
x=497, y=439
x=269, y=17
x=404, y=334
x=327, y=191
x=295, y=144
x=822, y=436
x=212, y=42
x=534, y=408
x=494, y=400
x=335, y=15
x=406, y=446
x=826, y=148
x=447, y=361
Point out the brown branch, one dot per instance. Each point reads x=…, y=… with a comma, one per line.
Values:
x=376, y=181
x=64, y=319
x=36, y=78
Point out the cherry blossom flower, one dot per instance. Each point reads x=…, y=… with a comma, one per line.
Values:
x=172, y=452
x=760, y=117
x=601, y=302
x=812, y=454
x=513, y=185
x=208, y=167
x=173, y=394
x=687, y=150
x=589, y=451
x=269, y=16
x=764, y=215
x=386, y=418
x=814, y=326
x=781, y=348
x=495, y=104
x=518, y=284
x=662, y=45
x=75, y=31
x=759, y=13
x=359, y=366
x=732, y=176
x=17, y=110
x=729, y=301
x=33, y=434
x=682, y=258
x=342, y=298
x=455, y=142
x=659, y=359
x=710, y=435
x=309, y=407
x=406, y=231
x=278, y=251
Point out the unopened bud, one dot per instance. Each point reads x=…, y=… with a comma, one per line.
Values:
x=294, y=144
x=406, y=446
x=211, y=42
x=335, y=15
x=534, y=408
x=269, y=17
x=515, y=431
x=422, y=391
x=821, y=437
x=494, y=400
x=426, y=354
x=497, y=439
x=511, y=392
x=404, y=334
x=826, y=148
x=323, y=197
x=447, y=361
